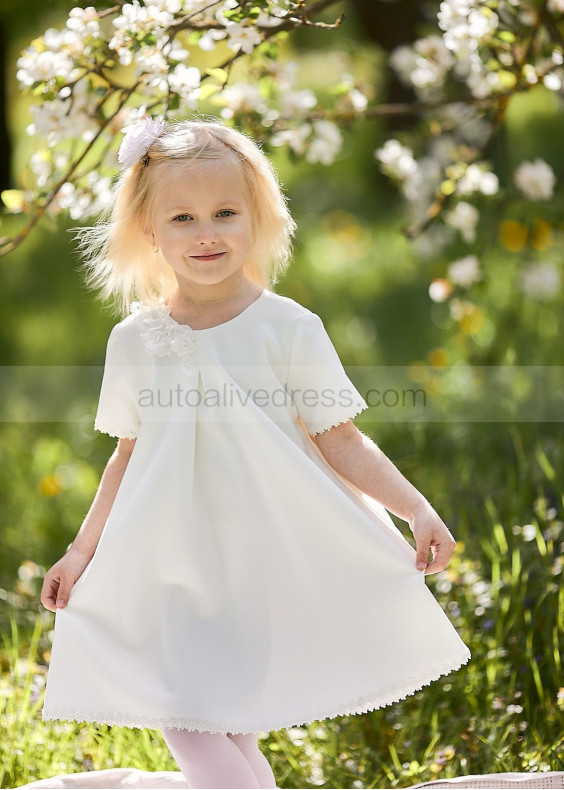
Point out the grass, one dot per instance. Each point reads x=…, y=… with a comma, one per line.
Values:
x=504, y=711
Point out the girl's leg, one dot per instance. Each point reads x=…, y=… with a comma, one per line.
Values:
x=248, y=744
x=209, y=759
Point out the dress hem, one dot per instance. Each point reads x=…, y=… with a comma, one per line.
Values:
x=316, y=429
x=117, y=433
x=363, y=705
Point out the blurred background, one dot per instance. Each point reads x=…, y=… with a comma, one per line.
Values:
x=497, y=484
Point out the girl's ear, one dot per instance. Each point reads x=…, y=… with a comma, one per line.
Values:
x=150, y=236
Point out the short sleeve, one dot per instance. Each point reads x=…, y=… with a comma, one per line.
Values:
x=117, y=413
x=321, y=391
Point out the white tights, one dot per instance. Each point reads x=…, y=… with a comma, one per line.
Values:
x=211, y=759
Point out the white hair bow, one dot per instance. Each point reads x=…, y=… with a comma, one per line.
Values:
x=137, y=140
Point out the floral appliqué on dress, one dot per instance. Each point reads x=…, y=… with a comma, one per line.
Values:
x=163, y=336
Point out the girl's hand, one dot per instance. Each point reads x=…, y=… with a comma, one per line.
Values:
x=61, y=578
x=431, y=535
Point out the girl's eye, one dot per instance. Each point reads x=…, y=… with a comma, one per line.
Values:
x=182, y=218
x=226, y=213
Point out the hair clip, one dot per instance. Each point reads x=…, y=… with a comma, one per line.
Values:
x=138, y=138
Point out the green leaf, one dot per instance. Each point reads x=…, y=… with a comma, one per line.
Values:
x=38, y=44
x=13, y=199
x=507, y=79
x=545, y=465
x=507, y=36
x=208, y=90
x=448, y=186
x=218, y=74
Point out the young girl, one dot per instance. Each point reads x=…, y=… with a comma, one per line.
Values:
x=237, y=571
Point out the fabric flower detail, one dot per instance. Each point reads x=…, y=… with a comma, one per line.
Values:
x=138, y=138
x=162, y=336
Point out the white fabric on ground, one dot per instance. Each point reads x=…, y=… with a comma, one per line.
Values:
x=132, y=779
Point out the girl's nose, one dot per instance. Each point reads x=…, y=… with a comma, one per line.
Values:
x=207, y=233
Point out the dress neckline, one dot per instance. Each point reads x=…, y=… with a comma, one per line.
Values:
x=215, y=326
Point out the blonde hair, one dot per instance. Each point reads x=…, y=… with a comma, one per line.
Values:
x=118, y=256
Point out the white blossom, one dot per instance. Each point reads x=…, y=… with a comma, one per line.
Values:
x=466, y=24
x=541, y=280
x=535, y=180
x=44, y=66
x=41, y=165
x=135, y=18
x=242, y=37
x=82, y=202
x=403, y=60
x=552, y=81
x=120, y=44
x=440, y=290
x=84, y=22
x=429, y=243
x=67, y=41
x=151, y=61
x=75, y=201
x=209, y=39
x=228, y=5
x=269, y=19
x=176, y=51
x=50, y=120
x=295, y=139
x=354, y=100
x=326, y=143
x=284, y=74
x=425, y=65
x=167, y=6
x=476, y=179
x=470, y=127
x=132, y=18
x=161, y=14
x=418, y=179
x=242, y=97
x=464, y=218
x=296, y=103
x=465, y=271
x=397, y=160
x=460, y=308
x=185, y=81
x=444, y=149
x=529, y=532
x=297, y=735
x=555, y=6
x=481, y=82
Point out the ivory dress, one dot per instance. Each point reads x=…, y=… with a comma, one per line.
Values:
x=240, y=585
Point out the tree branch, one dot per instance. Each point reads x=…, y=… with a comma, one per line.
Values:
x=8, y=244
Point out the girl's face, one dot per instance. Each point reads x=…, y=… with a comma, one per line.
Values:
x=202, y=221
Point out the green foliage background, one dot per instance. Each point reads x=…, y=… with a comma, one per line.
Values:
x=353, y=267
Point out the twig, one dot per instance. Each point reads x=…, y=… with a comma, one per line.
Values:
x=9, y=244
x=182, y=23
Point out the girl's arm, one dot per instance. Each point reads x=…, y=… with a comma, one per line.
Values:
x=61, y=578
x=357, y=459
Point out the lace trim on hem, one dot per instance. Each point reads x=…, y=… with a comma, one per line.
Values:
x=362, y=705
x=115, y=432
x=318, y=427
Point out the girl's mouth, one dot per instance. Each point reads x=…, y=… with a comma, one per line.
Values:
x=212, y=256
